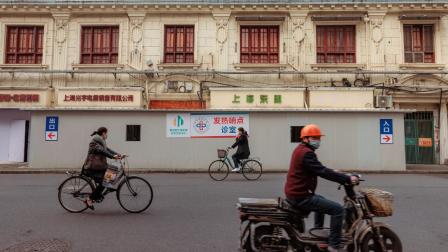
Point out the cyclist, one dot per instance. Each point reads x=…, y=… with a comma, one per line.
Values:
x=243, y=151
x=96, y=164
x=301, y=183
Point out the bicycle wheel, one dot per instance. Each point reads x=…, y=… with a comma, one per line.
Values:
x=252, y=169
x=218, y=170
x=73, y=192
x=134, y=194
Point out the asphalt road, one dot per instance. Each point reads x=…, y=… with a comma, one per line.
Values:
x=192, y=213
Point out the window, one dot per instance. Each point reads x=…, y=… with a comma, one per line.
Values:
x=419, y=44
x=179, y=44
x=259, y=44
x=133, y=132
x=24, y=44
x=336, y=44
x=99, y=45
x=295, y=134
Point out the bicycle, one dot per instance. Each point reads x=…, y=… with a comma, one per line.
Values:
x=219, y=169
x=134, y=194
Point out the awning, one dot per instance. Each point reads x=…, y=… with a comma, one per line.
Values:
x=419, y=16
x=338, y=17
x=260, y=18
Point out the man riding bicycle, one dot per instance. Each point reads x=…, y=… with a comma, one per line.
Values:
x=301, y=183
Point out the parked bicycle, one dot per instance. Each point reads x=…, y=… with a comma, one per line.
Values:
x=219, y=169
x=134, y=194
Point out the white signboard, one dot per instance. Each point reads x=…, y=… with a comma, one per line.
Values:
x=218, y=125
x=178, y=125
x=205, y=125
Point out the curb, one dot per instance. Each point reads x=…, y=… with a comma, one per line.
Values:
x=149, y=171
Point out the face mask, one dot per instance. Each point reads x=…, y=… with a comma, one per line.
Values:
x=314, y=143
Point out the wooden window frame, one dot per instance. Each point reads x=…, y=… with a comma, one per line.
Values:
x=348, y=51
x=176, y=52
x=270, y=50
x=427, y=56
x=109, y=54
x=36, y=55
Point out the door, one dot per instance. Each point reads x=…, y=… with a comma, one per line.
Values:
x=419, y=137
x=17, y=140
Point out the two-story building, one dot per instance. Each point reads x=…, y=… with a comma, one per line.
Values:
x=195, y=55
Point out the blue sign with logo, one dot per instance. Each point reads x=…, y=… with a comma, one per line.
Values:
x=51, y=128
x=386, y=131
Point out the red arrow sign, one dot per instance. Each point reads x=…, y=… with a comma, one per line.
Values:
x=386, y=138
x=51, y=135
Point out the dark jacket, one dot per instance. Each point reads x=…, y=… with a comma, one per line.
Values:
x=98, y=150
x=242, y=142
x=304, y=169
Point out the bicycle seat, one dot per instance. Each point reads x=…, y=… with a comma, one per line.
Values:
x=288, y=207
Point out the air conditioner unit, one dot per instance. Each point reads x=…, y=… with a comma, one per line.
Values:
x=185, y=87
x=383, y=101
x=171, y=85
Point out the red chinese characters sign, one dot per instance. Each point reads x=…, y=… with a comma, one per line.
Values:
x=19, y=98
x=99, y=98
x=225, y=120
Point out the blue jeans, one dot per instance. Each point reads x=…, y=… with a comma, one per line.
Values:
x=322, y=206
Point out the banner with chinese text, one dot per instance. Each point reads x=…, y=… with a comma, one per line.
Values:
x=206, y=125
x=218, y=125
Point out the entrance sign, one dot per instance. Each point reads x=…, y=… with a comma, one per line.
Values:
x=386, y=131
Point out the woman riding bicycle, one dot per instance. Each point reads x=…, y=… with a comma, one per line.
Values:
x=243, y=151
x=96, y=164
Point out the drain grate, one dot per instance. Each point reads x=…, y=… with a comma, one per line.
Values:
x=52, y=245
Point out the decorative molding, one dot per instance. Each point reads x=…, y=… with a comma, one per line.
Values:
x=136, y=37
x=222, y=29
x=61, y=29
x=298, y=29
x=376, y=21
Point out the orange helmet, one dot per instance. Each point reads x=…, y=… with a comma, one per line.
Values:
x=311, y=130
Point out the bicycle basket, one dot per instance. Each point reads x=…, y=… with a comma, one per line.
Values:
x=380, y=202
x=222, y=153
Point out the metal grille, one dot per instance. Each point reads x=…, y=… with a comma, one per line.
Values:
x=419, y=125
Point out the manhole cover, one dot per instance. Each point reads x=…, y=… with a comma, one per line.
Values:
x=53, y=245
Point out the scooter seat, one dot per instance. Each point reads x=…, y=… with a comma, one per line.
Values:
x=288, y=207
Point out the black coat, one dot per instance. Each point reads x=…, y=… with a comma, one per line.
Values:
x=242, y=142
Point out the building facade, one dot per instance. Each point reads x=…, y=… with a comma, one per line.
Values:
x=186, y=55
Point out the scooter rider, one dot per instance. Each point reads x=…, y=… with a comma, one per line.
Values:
x=301, y=183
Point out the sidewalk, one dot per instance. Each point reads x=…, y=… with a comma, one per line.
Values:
x=22, y=168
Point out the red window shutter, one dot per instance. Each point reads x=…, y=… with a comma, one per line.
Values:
x=245, y=40
x=24, y=45
x=428, y=38
x=273, y=40
x=179, y=44
x=99, y=45
x=190, y=39
x=418, y=43
x=259, y=44
x=336, y=44
x=417, y=39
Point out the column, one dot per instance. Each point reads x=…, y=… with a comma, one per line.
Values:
x=443, y=133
